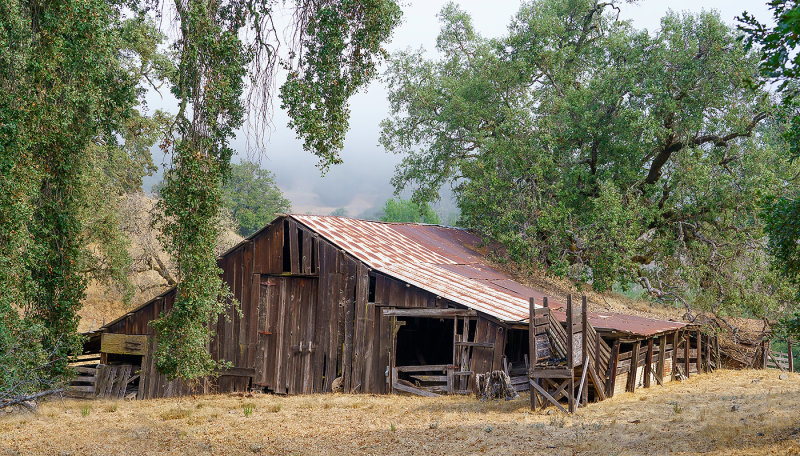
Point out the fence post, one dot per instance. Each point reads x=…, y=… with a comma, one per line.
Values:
x=791, y=356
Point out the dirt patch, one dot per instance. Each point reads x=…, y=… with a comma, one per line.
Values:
x=729, y=412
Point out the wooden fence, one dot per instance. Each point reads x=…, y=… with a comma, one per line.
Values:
x=778, y=360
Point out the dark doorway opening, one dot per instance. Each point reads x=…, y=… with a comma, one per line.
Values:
x=424, y=341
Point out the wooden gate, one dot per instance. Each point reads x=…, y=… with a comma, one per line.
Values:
x=286, y=334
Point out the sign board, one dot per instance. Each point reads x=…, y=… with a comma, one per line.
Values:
x=124, y=344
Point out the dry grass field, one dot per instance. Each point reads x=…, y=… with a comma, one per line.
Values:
x=729, y=412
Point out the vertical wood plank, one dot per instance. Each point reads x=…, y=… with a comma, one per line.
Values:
x=307, y=251
x=686, y=352
x=648, y=363
x=294, y=260
x=699, y=352
x=360, y=307
x=662, y=353
x=611, y=376
x=531, y=346
x=634, y=366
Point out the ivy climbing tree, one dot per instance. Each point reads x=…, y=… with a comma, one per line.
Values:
x=335, y=51
x=69, y=83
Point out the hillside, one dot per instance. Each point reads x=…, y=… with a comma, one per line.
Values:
x=152, y=271
x=729, y=412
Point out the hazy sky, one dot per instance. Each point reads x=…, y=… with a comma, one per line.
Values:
x=362, y=182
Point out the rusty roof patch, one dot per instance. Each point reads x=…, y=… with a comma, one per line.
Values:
x=446, y=262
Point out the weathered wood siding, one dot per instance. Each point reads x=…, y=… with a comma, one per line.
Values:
x=305, y=318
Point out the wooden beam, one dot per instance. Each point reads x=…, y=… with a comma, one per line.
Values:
x=699, y=352
x=546, y=395
x=686, y=341
x=431, y=368
x=634, y=366
x=598, y=384
x=675, y=345
x=648, y=363
x=410, y=389
x=583, y=393
x=429, y=312
x=662, y=353
x=532, y=347
x=611, y=376
x=789, y=352
x=571, y=353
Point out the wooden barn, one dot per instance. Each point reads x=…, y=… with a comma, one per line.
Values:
x=333, y=303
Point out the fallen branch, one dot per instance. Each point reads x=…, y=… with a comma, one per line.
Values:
x=23, y=400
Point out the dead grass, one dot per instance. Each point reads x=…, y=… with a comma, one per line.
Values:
x=730, y=412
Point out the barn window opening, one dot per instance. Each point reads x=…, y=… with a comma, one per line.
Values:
x=300, y=249
x=424, y=341
x=313, y=257
x=287, y=258
x=371, y=294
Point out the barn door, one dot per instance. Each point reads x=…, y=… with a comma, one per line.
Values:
x=286, y=334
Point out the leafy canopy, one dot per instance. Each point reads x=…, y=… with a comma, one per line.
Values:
x=600, y=152
x=780, y=62
x=252, y=197
x=401, y=210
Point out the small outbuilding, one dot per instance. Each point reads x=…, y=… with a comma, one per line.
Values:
x=333, y=303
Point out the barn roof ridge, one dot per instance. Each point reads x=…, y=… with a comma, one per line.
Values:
x=440, y=260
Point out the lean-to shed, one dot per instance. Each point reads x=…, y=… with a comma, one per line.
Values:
x=333, y=302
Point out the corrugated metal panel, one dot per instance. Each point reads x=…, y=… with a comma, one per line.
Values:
x=446, y=262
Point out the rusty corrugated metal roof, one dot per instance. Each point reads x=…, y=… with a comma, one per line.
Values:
x=446, y=262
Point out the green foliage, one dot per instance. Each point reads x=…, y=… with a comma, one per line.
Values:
x=342, y=43
x=67, y=90
x=339, y=212
x=780, y=62
x=599, y=152
x=209, y=85
x=338, y=47
x=252, y=197
x=401, y=210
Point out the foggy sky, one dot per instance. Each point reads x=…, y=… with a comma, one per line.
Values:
x=362, y=181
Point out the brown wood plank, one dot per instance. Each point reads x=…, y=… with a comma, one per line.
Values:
x=294, y=260
x=699, y=354
x=359, y=343
x=385, y=346
x=634, y=364
x=332, y=359
x=306, y=260
x=348, y=305
x=281, y=334
x=648, y=363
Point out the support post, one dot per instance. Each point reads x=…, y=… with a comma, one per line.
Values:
x=634, y=366
x=699, y=352
x=648, y=363
x=675, y=342
x=532, y=348
x=612, y=369
x=686, y=343
x=570, y=354
x=584, y=349
x=662, y=354
x=791, y=356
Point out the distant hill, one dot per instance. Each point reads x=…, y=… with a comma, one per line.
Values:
x=152, y=271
